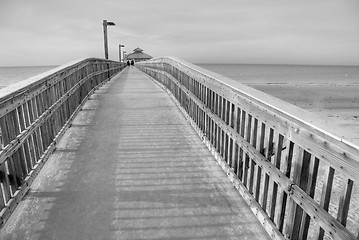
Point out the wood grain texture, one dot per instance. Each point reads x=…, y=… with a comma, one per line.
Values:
x=283, y=129
x=34, y=114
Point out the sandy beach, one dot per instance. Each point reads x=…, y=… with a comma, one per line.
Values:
x=337, y=104
x=331, y=92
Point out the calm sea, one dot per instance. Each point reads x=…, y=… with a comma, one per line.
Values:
x=330, y=92
x=253, y=74
x=309, y=87
x=250, y=74
x=11, y=75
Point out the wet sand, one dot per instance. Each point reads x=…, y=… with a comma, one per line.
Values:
x=330, y=92
x=337, y=104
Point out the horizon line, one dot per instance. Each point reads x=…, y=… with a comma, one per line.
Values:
x=211, y=63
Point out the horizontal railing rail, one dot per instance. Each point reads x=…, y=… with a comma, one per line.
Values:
x=34, y=114
x=299, y=175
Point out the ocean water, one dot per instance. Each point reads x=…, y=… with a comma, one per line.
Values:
x=334, y=89
x=11, y=75
x=249, y=74
x=331, y=92
x=258, y=74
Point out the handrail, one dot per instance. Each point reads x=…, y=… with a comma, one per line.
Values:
x=287, y=164
x=34, y=115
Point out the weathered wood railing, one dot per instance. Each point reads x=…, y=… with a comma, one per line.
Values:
x=34, y=115
x=298, y=175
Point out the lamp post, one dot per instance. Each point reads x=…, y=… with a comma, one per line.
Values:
x=124, y=55
x=119, y=48
x=105, y=24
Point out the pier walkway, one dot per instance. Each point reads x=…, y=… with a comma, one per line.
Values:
x=132, y=167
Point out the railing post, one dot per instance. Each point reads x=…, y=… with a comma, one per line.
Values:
x=277, y=153
x=34, y=116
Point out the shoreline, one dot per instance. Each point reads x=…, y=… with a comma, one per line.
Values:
x=338, y=105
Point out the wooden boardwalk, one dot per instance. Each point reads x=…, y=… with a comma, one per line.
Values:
x=131, y=167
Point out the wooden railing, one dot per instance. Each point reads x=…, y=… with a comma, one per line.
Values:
x=34, y=114
x=299, y=176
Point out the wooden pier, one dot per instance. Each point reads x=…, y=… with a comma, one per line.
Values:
x=179, y=153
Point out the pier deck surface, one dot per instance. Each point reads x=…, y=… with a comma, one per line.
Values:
x=131, y=167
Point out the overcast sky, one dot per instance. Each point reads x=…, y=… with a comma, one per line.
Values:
x=54, y=32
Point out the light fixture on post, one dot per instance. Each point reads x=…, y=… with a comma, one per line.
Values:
x=124, y=55
x=105, y=24
x=119, y=49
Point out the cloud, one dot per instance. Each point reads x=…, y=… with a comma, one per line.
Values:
x=197, y=30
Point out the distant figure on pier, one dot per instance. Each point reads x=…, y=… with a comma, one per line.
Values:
x=132, y=62
x=128, y=63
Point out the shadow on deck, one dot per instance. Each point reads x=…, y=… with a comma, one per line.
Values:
x=132, y=167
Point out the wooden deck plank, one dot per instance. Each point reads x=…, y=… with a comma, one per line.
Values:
x=131, y=167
